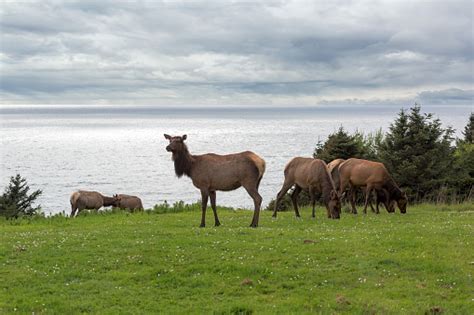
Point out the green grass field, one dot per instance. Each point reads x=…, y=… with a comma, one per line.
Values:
x=421, y=262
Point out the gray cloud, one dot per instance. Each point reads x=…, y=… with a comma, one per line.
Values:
x=281, y=52
x=448, y=96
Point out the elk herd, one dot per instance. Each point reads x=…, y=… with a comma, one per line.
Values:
x=340, y=179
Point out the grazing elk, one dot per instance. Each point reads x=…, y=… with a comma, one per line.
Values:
x=311, y=174
x=212, y=172
x=128, y=202
x=82, y=199
x=333, y=166
x=351, y=193
x=373, y=176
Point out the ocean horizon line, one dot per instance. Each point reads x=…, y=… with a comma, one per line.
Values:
x=257, y=107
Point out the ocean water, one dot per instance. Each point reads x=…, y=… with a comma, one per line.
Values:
x=122, y=149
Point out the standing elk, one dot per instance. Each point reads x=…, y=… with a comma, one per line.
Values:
x=212, y=172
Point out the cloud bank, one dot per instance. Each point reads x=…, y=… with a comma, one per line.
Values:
x=236, y=53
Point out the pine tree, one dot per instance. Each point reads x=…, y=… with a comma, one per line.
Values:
x=469, y=130
x=15, y=201
x=418, y=153
x=339, y=145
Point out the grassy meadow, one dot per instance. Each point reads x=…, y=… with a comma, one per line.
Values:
x=421, y=262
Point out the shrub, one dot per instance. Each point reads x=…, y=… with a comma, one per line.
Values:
x=16, y=201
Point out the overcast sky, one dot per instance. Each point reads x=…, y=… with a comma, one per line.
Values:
x=237, y=53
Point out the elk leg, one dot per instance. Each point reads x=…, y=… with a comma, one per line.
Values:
x=212, y=194
x=257, y=201
x=313, y=202
x=386, y=202
x=204, y=196
x=294, y=200
x=371, y=203
x=353, y=195
x=377, y=202
x=367, y=197
x=281, y=193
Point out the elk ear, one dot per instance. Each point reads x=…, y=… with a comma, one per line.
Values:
x=184, y=137
x=333, y=194
x=167, y=136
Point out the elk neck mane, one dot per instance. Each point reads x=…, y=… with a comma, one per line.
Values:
x=183, y=162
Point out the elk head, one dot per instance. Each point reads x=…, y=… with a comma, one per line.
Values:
x=176, y=143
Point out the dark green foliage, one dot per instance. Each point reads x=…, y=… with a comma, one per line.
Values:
x=369, y=144
x=339, y=145
x=469, y=130
x=342, y=145
x=16, y=202
x=283, y=205
x=417, y=152
x=463, y=178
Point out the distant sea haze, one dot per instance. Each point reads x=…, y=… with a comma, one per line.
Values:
x=116, y=149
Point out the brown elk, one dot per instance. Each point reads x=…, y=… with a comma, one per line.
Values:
x=334, y=164
x=212, y=172
x=373, y=176
x=351, y=194
x=128, y=202
x=82, y=199
x=311, y=174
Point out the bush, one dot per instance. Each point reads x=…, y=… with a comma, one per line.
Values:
x=286, y=204
x=178, y=206
x=16, y=202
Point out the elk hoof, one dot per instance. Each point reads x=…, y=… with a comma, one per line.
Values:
x=217, y=224
x=202, y=225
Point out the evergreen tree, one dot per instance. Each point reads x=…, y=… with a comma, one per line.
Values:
x=339, y=145
x=469, y=130
x=368, y=144
x=418, y=153
x=464, y=170
x=15, y=201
